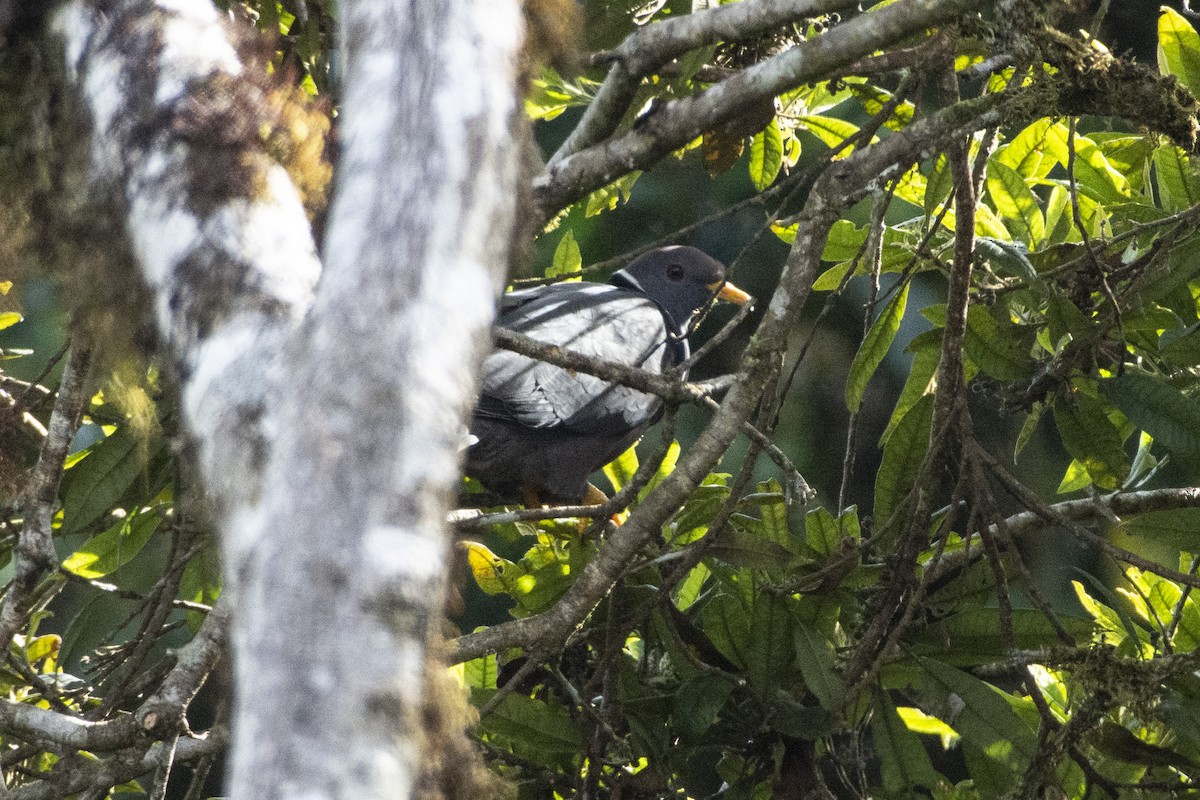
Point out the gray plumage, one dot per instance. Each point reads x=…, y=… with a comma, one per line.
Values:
x=544, y=428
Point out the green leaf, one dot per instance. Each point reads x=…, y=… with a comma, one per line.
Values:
x=1158, y=408
x=1064, y=318
x=822, y=533
x=1120, y=743
x=995, y=349
x=725, y=619
x=755, y=636
x=814, y=656
x=495, y=575
x=533, y=729
x=621, y=470
x=1027, y=429
x=697, y=512
x=1183, y=265
x=1007, y=258
x=108, y=551
x=927, y=352
x=1094, y=175
x=688, y=591
x=1016, y=203
x=938, y=185
x=972, y=636
x=1183, y=351
x=567, y=258
x=832, y=278
x=698, y=702
x=875, y=346
x=92, y=487
x=902, y=457
x=982, y=715
x=830, y=130
x=1177, y=527
x=904, y=764
x=1027, y=152
x=745, y=548
x=770, y=651
x=766, y=156
x=606, y=198
x=772, y=511
x=786, y=233
x=1091, y=438
x=1178, y=186
x=1113, y=616
x=480, y=673
x=844, y=242
x=1179, y=49
x=550, y=94
x=665, y=468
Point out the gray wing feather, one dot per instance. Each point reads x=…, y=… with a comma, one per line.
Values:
x=600, y=321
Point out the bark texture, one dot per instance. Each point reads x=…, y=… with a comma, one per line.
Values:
x=340, y=593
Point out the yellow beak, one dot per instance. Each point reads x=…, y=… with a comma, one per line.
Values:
x=729, y=292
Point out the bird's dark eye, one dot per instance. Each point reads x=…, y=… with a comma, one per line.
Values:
x=675, y=272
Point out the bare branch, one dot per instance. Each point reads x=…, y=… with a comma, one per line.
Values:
x=1085, y=510
x=651, y=47
x=664, y=386
x=677, y=123
x=162, y=712
x=80, y=775
x=35, y=547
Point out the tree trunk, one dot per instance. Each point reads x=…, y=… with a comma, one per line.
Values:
x=340, y=594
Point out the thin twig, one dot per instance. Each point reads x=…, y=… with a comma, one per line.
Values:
x=874, y=246
x=1077, y=217
x=34, y=553
x=36, y=383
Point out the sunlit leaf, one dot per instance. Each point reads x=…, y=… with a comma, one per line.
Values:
x=1091, y=438
x=1016, y=203
x=905, y=764
x=1179, y=49
x=874, y=347
x=93, y=486
x=115, y=547
x=494, y=574
x=766, y=156
x=567, y=258
x=983, y=716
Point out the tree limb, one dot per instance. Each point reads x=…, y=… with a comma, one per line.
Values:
x=677, y=123
x=652, y=46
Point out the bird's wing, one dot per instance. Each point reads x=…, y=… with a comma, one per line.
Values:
x=600, y=321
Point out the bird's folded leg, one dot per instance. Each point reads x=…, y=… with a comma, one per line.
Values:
x=530, y=497
x=594, y=497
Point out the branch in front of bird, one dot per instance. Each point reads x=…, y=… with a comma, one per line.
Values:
x=465, y=519
x=675, y=390
x=663, y=386
x=726, y=331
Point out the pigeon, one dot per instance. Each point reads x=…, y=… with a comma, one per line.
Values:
x=539, y=430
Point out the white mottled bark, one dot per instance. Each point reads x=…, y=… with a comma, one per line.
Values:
x=339, y=595
x=327, y=417
x=231, y=277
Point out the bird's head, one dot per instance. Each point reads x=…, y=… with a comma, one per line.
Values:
x=681, y=280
